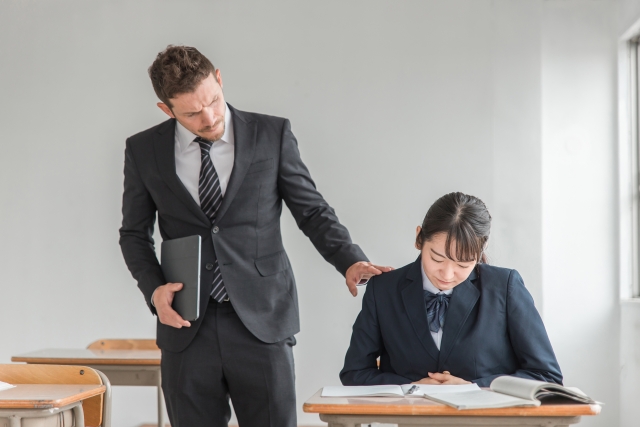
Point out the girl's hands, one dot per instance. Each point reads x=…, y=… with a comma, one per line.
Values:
x=444, y=378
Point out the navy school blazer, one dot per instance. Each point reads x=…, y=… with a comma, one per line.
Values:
x=492, y=328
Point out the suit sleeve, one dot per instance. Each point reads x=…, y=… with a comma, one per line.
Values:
x=528, y=337
x=136, y=233
x=360, y=366
x=312, y=213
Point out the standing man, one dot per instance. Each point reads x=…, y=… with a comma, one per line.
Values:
x=223, y=174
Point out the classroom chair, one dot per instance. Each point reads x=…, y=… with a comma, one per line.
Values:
x=97, y=410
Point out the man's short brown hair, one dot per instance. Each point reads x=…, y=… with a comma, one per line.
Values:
x=178, y=69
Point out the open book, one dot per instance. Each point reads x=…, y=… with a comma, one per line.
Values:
x=509, y=391
x=5, y=386
x=394, y=390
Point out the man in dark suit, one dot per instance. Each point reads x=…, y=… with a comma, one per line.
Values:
x=222, y=173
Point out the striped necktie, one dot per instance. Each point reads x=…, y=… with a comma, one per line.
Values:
x=210, y=201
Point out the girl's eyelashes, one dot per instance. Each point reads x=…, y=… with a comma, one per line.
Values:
x=436, y=260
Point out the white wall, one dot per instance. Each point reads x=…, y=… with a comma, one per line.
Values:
x=580, y=281
x=393, y=103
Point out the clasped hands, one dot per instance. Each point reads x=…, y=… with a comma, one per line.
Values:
x=444, y=378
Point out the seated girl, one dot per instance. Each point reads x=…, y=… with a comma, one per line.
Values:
x=448, y=317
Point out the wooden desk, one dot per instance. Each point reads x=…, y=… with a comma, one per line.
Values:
x=41, y=400
x=122, y=367
x=412, y=411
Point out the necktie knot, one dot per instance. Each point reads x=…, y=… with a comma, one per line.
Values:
x=205, y=145
x=437, y=305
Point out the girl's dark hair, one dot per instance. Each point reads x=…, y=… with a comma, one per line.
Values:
x=465, y=220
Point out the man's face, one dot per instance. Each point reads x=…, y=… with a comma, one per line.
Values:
x=201, y=111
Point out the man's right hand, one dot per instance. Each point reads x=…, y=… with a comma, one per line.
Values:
x=162, y=299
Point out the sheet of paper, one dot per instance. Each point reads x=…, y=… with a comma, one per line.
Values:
x=361, y=391
x=428, y=388
x=5, y=386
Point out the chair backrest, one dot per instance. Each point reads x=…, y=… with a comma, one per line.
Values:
x=59, y=374
x=136, y=344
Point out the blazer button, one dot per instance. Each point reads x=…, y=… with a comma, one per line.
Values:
x=209, y=266
x=215, y=230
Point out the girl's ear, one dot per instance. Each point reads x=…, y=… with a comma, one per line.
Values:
x=418, y=230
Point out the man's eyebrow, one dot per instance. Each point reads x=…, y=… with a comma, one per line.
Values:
x=196, y=112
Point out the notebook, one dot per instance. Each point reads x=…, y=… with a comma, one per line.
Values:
x=180, y=263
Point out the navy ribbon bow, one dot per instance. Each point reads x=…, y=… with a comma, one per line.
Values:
x=437, y=305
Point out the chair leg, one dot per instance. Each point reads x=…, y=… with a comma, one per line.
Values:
x=106, y=407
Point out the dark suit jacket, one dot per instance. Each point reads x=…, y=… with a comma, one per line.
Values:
x=491, y=328
x=246, y=236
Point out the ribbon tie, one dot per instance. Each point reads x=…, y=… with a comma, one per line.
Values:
x=437, y=305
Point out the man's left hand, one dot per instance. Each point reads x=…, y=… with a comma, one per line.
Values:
x=361, y=272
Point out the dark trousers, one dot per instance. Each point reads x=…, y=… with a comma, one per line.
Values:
x=224, y=361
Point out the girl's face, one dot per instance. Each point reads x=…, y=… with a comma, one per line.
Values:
x=445, y=273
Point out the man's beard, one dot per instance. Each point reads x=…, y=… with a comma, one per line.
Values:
x=215, y=137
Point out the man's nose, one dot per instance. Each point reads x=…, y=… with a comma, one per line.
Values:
x=209, y=117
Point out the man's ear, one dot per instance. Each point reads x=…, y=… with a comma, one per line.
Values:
x=218, y=77
x=164, y=107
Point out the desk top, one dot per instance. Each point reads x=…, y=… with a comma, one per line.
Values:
x=422, y=406
x=45, y=396
x=60, y=356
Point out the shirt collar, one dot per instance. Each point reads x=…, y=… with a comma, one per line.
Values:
x=428, y=286
x=185, y=137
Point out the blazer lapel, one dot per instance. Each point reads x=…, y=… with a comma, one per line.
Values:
x=463, y=299
x=166, y=160
x=413, y=299
x=244, y=131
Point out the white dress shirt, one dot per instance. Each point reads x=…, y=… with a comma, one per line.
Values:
x=188, y=157
x=428, y=286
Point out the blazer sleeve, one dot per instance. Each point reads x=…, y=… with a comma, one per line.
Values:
x=528, y=337
x=136, y=233
x=360, y=366
x=312, y=213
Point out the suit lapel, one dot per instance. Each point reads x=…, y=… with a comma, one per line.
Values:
x=166, y=160
x=244, y=131
x=413, y=299
x=463, y=299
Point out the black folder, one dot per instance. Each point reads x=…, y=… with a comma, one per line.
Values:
x=180, y=263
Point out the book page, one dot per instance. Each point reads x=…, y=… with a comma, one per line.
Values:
x=519, y=387
x=5, y=386
x=423, y=389
x=480, y=399
x=362, y=391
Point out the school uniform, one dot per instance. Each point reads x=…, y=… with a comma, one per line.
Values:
x=491, y=328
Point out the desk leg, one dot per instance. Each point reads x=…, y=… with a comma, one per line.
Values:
x=161, y=420
x=78, y=413
x=338, y=421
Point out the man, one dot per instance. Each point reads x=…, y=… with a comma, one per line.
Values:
x=222, y=173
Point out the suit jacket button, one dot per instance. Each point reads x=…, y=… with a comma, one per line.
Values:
x=215, y=229
x=209, y=266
